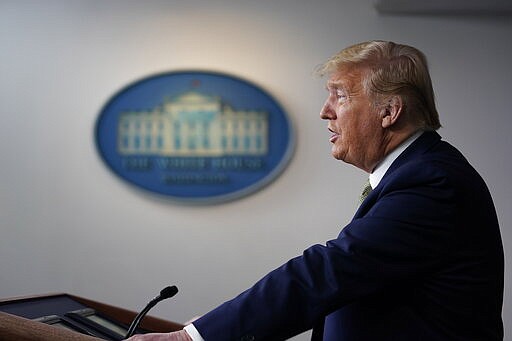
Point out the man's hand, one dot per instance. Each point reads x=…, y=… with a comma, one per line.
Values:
x=174, y=336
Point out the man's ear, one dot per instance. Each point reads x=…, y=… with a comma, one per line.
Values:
x=391, y=110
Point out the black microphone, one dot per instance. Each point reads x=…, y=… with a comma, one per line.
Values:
x=166, y=292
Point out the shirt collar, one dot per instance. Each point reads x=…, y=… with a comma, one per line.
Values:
x=381, y=169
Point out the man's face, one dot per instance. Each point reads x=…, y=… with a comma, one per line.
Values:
x=354, y=121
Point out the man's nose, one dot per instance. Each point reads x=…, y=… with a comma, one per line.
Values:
x=327, y=112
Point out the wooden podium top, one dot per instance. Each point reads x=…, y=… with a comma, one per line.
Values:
x=15, y=327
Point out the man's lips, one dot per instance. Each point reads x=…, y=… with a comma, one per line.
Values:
x=334, y=135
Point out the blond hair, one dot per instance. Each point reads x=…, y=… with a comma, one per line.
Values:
x=391, y=69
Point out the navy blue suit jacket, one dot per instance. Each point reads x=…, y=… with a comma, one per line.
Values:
x=422, y=259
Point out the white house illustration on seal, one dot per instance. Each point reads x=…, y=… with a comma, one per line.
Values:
x=193, y=124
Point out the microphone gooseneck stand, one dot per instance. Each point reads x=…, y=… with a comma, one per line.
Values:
x=166, y=292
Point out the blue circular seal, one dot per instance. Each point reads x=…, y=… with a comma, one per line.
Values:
x=195, y=136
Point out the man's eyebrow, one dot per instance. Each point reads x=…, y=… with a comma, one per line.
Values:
x=336, y=85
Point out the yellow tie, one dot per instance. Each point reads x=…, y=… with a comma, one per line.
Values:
x=366, y=191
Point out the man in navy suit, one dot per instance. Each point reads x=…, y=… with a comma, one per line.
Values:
x=422, y=258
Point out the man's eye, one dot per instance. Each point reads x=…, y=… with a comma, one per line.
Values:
x=341, y=95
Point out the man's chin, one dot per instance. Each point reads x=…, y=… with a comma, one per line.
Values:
x=343, y=157
x=337, y=155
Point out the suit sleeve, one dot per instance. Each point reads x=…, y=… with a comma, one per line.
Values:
x=399, y=234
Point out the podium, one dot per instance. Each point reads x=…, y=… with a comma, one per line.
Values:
x=61, y=316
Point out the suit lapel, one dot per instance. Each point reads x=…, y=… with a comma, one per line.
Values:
x=418, y=147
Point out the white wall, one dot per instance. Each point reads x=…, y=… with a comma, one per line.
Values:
x=69, y=225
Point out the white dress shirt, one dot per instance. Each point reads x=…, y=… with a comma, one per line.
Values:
x=193, y=333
